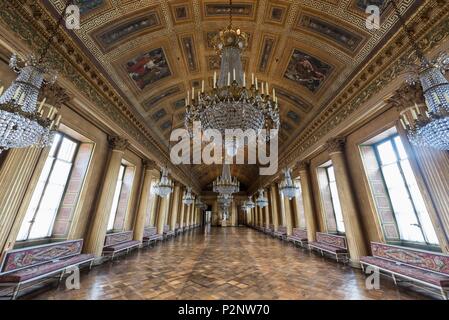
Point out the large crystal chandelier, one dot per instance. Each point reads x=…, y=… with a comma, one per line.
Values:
x=188, y=198
x=230, y=104
x=165, y=185
x=226, y=184
x=428, y=127
x=287, y=186
x=200, y=204
x=261, y=200
x=22, y=123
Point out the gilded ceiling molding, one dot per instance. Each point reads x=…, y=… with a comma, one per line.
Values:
x=31, y=23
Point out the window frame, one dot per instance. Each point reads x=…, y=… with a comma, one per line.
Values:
x=125, y=167
x=326, y=169
x=417, y=244
x=57, y=149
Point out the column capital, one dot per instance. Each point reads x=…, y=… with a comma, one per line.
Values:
x=54, y=95
x=335, y=145
x=149, y=165
x=303, y=165
x=408, y=95
x=118, y=143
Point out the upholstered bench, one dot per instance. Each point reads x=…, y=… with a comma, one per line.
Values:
x=119, y=242
x=330, y=243
x=298, y=236
x=281, y=233
x=26, y=267
x=270, y=230
x=178, y=229
x=167, y=232
x=423, y=267
x=150, y=235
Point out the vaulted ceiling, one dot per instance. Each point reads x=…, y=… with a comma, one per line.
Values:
x=153, y=51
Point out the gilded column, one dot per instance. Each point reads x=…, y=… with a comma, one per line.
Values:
x=274, y=206
x=181, y=215
x=144, y=201
x=287, y=215
x=187, y=215
x=175, y=205
x=353, y=228
x=97, y=232
x=164, y=206
x=19, y=167
x=306, y=190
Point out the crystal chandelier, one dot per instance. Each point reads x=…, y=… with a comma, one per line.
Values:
x=230, y=104
x=188, y=198
x=261, y=201
x=226, y=184
x=287, y=186
x=224, y=200
x=165, y=185
x=22, y=123
x=429, y=127
x=249, y=204
x=200, y=204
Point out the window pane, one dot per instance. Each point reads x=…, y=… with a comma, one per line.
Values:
x=337, y=207
x=47, y=195
x=118, y=188
x=400, y=147
x=386, y=152
x=331, y=174
x=67, y=150
x=402, y=204
x=418, y=201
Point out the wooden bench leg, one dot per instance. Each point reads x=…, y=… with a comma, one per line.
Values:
x=15, y=292
x=336, y=256
x=444, y=294
x=91, y=264
x=394, y=279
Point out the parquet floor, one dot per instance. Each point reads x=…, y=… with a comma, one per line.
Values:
x=225, y=263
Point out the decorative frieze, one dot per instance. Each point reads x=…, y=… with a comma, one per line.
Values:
x=118, y=143
x=335, y=145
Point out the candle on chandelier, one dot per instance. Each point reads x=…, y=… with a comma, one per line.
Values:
x=415, y=117
x=41, y=105
x=215, y=79
x=229, y=79
x=58, y=120
x=233, y=74
x=193, y=93
x=263, y=91
x=417, y=110
x=202, y=86
x=252, y=79
x=1, y=90
x=188, y=97
x=257, y=84
x=403, y=124
x=267, y=89
x=274, y=94
x=244, y=79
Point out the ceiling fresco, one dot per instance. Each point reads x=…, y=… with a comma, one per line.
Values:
x=153, y=51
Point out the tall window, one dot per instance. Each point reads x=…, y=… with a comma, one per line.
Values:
x=46, y=199
x=118, y=190
x=411, y=215
x=335, y=199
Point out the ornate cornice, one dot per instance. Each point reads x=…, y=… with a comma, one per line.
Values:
x=335, y=145
x=149, y=165
x=31, y=23
x=117, y=143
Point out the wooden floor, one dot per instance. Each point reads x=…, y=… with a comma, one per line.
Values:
x=225, y=263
